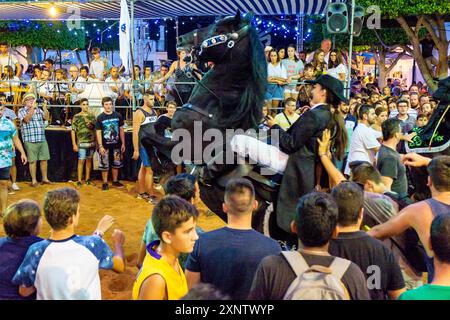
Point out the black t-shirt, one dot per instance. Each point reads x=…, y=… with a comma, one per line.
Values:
x=390, y=165
x=228, y=258
x=275, y=275
x=427, y=47
x=110, y=125
x=369, y=254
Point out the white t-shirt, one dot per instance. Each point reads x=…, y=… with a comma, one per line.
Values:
x=276, y=71
x=97, y=67
x=363, y=140
x=334, y=72
x=66, y=269
x=8, y=60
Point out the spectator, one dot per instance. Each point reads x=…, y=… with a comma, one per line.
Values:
x=10, y=115
x=162, y=90
x=426, y=109
x=364, y=143
x=439, y=245
x=386, y=93
x=302, y=56
x=286, y=118
x=392, y=105
x=318, y=62
x=281, y=53
x=48, y=266
x=336, y=65
x=8, y=82
x=111, y=143
x=147, y=79
x=408, y=122
x=7, y=59
x=424, y=98
x=315, y=225
x=161, y=276
x=304, y=90
x=49, y=65
x=374, y=259
x=121, y=92
x=267, y=50
x=22, y=224
x=414, y=101
x=350, y=124
x=44, y=87
x=382, y=115
x=420, y=214
x=427, y=46
x=59, y=97
x=378, y=202
x=422, y=120
x=294, y=68
x=244, y=252
x=33, y=121
x=389, y=161
x=143, y=119
x=163, y=124
x=99, y=66
x=185, y=186
x=277, y=77
x=9, y=141
x=83, y=140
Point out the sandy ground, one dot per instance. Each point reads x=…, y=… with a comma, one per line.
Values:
x=131, y=215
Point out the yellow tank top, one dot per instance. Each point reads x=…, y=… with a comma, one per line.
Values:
x=176, y=284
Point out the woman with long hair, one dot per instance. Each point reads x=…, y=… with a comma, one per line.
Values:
x=336, y=65
x=320, y=67
x=294, y=68
x=276, y=78
x=181, y=68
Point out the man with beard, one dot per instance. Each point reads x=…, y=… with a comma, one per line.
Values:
x=364, y=144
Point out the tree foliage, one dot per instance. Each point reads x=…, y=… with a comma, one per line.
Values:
x=46, y=35
x=393, y=9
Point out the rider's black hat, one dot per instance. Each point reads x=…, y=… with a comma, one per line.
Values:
x=331, y=83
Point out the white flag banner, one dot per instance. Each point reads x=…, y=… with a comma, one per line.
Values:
x=124, y=34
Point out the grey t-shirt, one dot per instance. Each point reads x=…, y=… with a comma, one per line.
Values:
x=390, y=165
x=275, y=275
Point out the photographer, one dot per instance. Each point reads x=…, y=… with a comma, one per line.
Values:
x=33, y=121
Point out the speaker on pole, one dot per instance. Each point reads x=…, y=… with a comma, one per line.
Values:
x=358, y=20
x=337, y=18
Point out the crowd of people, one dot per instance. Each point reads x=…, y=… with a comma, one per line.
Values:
x=339, y=255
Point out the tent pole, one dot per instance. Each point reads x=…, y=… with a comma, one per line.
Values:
x=350, y=51
x=133, y=80
x=300, y=30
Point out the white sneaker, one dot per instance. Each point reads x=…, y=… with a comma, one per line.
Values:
x=15, y=187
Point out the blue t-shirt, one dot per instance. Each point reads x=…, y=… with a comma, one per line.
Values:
x=12, y=252
x=228, y=258
x=7, y=132
x=65, y=269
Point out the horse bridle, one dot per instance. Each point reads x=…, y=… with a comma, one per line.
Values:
x=230, y=39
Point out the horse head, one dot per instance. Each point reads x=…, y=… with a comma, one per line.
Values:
x=231, y=94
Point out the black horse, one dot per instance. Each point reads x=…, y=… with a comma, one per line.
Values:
x=433, y=139
x=229, y=96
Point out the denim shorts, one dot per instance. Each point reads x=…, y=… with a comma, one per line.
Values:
x=145, y=159
x=84, y=153
x=4, y=173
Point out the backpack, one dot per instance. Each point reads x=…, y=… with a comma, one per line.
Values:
x=316, y=282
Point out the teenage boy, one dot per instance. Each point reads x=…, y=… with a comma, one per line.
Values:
x=111, y=143
x=286, y=118
x=161, y=276
x=238, y=244
x=360, y=248
x=83, y=140
x=185, y=186
x=65, y=266
x=439, y=244
x=99, y=66
x=315, y=224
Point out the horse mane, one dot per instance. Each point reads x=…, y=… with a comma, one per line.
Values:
x=248, y=112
